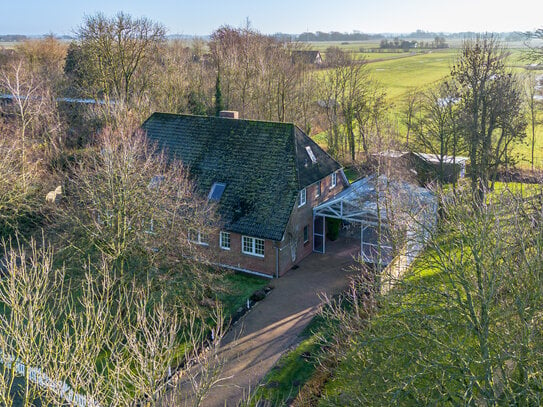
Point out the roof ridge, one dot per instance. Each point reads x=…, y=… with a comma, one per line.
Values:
x=225, y=118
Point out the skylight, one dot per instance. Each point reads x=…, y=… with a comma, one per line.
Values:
x=310, y=154
x=216, y=191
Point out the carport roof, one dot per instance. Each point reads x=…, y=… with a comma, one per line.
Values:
x=359, y=202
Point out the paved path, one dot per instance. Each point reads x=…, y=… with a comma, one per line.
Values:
x=257, y=341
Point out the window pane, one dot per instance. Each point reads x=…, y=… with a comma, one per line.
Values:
x=303, y=193
x=259, y=246
x=225, y=240
x=216, y=191
x=247, y=244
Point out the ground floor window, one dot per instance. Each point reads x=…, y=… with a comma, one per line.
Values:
x=306, y=233
x=252, y=245
x=195, y=236
x=224, y=240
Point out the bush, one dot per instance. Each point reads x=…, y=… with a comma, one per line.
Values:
x=332, y=227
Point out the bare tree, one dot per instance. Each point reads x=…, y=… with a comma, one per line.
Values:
x=115, y=56
x=127, y=203
x=533, y=106
x=461, y=328
x=350, y=99
x=409, y=111
x=102, y=341
x=435, y=126
x=490, y=108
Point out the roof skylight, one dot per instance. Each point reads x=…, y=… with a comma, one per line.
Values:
x=310, y=154
x=216, y=191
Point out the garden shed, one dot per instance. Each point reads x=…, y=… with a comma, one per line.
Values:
x=392, y=217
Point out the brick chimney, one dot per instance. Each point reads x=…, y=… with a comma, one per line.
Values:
x=229, y=114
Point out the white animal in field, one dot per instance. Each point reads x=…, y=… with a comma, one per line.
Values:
x=54, y=196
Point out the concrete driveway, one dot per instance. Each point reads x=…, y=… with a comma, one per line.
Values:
x=257, y=341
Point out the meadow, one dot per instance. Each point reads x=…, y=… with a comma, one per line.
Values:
x=400, y=73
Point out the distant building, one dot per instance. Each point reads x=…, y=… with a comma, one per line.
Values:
x=427, y=167
x=308, y=57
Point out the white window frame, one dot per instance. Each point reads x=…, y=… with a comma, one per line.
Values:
x=253, y=246
x=225, y=237
x=333, y=181
x=306, y=234
x=302, y=197
x=199, y=238
x=318, y=187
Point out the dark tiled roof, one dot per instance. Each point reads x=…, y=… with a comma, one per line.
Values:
x=263, y=164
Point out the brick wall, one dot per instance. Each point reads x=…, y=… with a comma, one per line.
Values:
x=278, y=253
x=303, y=216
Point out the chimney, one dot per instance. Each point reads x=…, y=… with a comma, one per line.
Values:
x=229, y=114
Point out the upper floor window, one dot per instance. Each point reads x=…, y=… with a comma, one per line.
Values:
x=195, y=236
x=318, y=189
x=302, y=198
x=333, y=183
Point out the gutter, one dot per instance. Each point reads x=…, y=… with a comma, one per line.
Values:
x=276, y=262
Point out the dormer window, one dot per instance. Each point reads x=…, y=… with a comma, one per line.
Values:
x=302, y=198
x=216, y=192
x=310, y=154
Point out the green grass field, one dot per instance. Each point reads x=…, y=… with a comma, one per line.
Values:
x=401, y=72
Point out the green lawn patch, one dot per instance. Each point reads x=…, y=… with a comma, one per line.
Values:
x=283, y=382
x=238, y=288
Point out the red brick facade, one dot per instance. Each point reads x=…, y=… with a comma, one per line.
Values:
x=279, y=256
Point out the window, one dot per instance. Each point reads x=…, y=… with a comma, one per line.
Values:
x=306, y=233
x=252, y=245
x=224, y=240
x=310, y=154
x=156, y=181
x=318, y=189
x=216, y=191
x=195, y=236
x=334, y=180
x=303, y=196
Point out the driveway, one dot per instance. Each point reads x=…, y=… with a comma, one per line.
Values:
x=256, y=342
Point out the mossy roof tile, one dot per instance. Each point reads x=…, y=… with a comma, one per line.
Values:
x=263, y=164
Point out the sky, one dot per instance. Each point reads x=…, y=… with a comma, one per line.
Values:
x=202, y=17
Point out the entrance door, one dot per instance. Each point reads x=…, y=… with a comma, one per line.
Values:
x=318, y=234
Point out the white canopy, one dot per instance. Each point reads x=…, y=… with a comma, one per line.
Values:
x=372, y=198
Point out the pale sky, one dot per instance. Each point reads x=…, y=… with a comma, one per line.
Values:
x=34, y=17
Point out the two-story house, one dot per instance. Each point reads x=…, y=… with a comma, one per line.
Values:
x=266, y=178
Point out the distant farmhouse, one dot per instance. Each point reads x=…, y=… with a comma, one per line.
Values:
x=427, y=167
x=308, y=57
x=266, y=178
